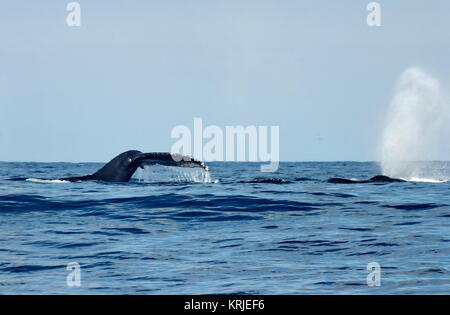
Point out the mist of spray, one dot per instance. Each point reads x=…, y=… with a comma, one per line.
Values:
x=159, y=173
x=415, y=133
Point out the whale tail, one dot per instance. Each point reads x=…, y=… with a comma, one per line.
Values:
x=167, y=159
x=123, y=166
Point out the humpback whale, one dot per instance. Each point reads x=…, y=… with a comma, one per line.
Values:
x=121, y=168
x=375, y=179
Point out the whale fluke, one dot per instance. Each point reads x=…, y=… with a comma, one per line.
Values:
x=123, y=166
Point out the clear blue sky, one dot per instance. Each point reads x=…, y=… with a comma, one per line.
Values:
x=136, y=69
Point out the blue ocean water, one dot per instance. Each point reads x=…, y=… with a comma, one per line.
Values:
x=289, y=232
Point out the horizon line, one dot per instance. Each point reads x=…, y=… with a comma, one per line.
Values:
x=258, y=162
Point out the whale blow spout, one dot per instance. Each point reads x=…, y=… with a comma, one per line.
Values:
x=416, y=129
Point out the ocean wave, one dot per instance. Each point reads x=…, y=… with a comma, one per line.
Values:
x=265, y=181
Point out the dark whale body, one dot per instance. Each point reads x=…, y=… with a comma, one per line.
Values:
x=122, y=167
x=375, y=179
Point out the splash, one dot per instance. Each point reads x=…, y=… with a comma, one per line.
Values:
x=427, y=180
x=47, y=181
x=415, y=131
x=158, y=173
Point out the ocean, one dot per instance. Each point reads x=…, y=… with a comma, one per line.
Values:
x=239, y=232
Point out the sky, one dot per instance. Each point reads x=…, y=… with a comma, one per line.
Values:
x=136, y=69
